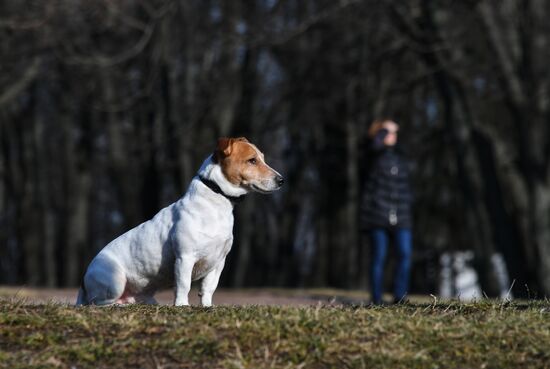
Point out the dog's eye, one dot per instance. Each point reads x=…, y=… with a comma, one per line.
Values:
x=252, y=161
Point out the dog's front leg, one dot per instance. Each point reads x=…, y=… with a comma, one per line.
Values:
x=183, y=270
x=209, y=284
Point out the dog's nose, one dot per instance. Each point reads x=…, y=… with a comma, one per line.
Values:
x=280, y=180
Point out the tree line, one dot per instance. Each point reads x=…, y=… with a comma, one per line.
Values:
x=108, y=108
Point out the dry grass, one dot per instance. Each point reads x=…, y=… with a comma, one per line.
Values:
x=452, y=335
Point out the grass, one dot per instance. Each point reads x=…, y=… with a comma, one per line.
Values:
x=451, y=335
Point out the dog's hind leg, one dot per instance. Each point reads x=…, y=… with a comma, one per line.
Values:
x=105, y=282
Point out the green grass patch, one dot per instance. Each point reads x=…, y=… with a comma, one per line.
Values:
x=450, y=335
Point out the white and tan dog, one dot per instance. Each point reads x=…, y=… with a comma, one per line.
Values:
x=185, y=241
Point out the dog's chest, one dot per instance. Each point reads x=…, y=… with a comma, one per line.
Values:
x=210, y=256
x=205, y=230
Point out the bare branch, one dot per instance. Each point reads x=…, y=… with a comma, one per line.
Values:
x=305, y=25
x=109, y=61
x=504, y=58
x=14, y=90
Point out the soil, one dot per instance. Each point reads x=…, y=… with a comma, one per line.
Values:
x=221, y=296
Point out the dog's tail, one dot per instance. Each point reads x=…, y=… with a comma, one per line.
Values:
x=81, y=299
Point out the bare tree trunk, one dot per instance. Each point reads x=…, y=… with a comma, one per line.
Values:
x=541, y=233
x=126, y=183
x=12, y=255
x=323, y=261
x=352, y=199
x=45, y=193
x=28, y=229
x=227, y=94
x=181, y=95
x=78, y=186
x=77, y=227
x=28, y=219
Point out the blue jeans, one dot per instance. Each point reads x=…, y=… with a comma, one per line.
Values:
x=402, y=238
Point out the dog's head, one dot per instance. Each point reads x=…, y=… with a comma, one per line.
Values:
x=243, y=165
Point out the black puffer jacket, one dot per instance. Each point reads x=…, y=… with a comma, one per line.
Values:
x=387, y=195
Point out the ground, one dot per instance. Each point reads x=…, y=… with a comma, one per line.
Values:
x=311, y=331
x=265, y=296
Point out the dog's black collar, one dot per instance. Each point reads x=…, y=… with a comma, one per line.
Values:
x=214, y=187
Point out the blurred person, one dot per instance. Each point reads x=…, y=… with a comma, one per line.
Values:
x=386, y=208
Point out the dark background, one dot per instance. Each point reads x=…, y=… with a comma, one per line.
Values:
x=107, y=109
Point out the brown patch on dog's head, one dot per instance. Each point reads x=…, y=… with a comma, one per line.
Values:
x=225, y=146
x=244, y=165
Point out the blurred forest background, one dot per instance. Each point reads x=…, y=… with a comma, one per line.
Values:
x=107, y=109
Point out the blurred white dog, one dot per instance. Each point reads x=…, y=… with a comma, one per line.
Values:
x=185, y=241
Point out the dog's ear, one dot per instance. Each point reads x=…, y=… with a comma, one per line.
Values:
x=225, y=146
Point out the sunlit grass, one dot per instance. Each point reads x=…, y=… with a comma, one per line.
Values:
x=451, y=335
